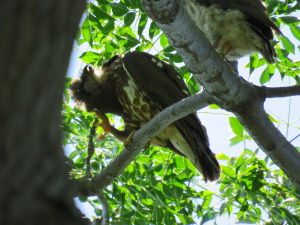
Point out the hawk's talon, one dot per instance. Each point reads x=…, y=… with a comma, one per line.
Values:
x=221, y=55
x=128, y=142
x=147, y=145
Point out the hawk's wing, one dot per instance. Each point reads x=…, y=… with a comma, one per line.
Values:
x=253, y=9
x=164, y=86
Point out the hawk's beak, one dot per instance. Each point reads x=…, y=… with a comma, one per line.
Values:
x=87, y=69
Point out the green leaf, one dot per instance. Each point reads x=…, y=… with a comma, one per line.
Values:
x=214, y=106
x=264, y=77
x=95, y=165
x=296, y=32
x=272, y=119
x=271, y=70
x=86, y=31
x=209, y=216
x=193, y=86
x=240, y=161
x=142, y=23
x=128, y=19
x=236, y=140
x=163, y=41
x=287, y=44
x=127, y=41
x=228, y=171
x=105, y=2
x=282, y=53
x=236, y=126
x=99, y=13
x=222, y=156
x=152, y=29
x=258, y=183
x=253, y=62
x=89, y=57
x=242, y=209
x=290, y=20
x=96, y=24
x=185, y=219
x=109, y=27
x=159, y=215
x=128, y=214
x=169, y=218
x=118, y=9
x=290, y=202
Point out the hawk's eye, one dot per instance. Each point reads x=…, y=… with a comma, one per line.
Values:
x=87, y=69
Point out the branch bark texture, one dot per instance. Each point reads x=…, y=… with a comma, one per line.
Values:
x=281, y=91
x=229, y=91
x=36, y=42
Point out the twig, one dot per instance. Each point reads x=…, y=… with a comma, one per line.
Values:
x=91, y=149
x=105, y=208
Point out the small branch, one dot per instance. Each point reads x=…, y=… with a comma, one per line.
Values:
x=91, y=149
x=278, y=92
x=90, y=187
x=105, y=208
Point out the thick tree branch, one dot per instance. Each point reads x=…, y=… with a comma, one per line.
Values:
x=229, y=91
x=89, y=187
x=36, y=42
x=280, y=91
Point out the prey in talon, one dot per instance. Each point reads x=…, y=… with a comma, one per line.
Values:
x=137, y=86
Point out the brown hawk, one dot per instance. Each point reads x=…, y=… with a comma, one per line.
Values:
x=137, y=87
x=235, y=28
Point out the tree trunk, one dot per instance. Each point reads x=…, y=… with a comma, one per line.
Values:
x=36, y=42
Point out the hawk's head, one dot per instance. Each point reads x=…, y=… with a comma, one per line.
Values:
x=95, y=90
x=85, y=88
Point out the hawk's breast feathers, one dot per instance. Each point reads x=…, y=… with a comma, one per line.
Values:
x=235, y=27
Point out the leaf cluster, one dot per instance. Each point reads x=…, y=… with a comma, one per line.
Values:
x=160, y=187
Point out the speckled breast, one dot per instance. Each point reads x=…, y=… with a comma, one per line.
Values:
x=138, y=109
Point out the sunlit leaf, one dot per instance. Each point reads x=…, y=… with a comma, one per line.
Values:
x=287, y=44
x=236, y=126
x=118, y=9
x=128, y=19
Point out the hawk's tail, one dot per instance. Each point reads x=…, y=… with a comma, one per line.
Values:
x=209, y=166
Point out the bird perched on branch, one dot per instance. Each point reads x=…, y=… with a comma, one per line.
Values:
x=235, y=28
x=137, y=87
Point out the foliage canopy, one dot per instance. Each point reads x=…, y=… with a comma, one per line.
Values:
x=160, y=187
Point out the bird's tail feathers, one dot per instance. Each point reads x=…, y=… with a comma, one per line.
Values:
x=209, y=166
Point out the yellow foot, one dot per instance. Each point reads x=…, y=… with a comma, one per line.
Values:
x=105, y=124
x=220, y=43
x=225, y=48
x=128, y=142
x=220, y=54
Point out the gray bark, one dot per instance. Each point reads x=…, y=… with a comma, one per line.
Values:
x=36, y=42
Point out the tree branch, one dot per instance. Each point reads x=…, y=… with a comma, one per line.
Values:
x=89, y=187
x=36, y=42
x=228, y=90
x=105, y=208
x=278, y=92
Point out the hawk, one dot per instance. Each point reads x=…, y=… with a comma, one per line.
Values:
x=137, y=87
x=235, y=28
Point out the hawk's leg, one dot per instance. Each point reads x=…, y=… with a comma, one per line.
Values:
x=128, y=141
x=222, y=49
x=108, y=128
